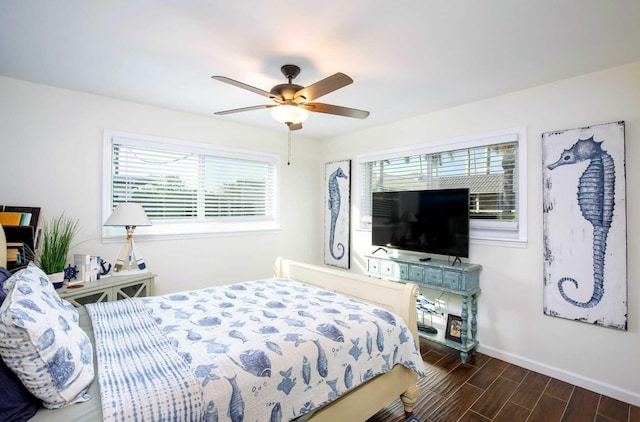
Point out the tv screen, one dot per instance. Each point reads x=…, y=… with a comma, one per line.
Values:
x=429, y=221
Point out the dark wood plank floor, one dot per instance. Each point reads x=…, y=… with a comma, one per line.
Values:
x=487, y=389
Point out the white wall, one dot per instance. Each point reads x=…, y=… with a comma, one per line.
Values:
x=511, y=324
x=51, y=149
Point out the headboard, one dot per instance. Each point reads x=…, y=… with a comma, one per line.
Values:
x=3, y=248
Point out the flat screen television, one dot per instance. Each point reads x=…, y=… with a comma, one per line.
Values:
x=428, y=221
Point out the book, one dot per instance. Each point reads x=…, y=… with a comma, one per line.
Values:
x=13, y=255
x=87, y=265
x=10, y=218
x=25, y=218
x=15, y=252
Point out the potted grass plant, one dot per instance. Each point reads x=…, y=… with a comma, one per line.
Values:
x=57, y=234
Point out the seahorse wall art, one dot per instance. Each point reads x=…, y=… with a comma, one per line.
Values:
x=596, y=199
x=337, y=214
x=334, y=208
x=584, y=217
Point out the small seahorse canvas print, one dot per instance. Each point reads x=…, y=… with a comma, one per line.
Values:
x=337, y=213
x=584, y=213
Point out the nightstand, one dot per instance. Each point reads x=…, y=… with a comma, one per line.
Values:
x=109, y=288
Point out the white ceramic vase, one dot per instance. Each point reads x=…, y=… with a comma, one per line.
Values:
x=56, y=279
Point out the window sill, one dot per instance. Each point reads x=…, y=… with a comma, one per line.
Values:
x=142, y=234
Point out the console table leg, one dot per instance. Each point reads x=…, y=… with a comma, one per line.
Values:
x=464, y=316
x=474, y=322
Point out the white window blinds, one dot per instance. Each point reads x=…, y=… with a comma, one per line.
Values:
x=183, y=183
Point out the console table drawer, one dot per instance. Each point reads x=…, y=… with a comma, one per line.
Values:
x=374, y=266
x=416, y=274
x=434, y=276
x=387, y=268
x=452, y=280
x=403, y=271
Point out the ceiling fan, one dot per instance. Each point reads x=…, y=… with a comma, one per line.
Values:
x=292, y=102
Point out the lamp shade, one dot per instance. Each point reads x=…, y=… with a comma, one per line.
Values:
x=128, y=214
x=289, y=114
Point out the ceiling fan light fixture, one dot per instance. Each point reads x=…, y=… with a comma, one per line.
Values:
x=289, y=114
x=293, y=101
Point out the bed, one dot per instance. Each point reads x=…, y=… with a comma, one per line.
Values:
x=292, y=281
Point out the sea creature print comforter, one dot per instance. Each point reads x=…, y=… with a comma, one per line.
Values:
x=267, y=350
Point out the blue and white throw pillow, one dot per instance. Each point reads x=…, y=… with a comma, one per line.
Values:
x=33, y=273
x=41, y=342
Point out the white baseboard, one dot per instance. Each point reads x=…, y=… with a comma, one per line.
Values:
x=566, y=376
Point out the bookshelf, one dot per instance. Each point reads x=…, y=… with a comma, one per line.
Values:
x=21, y=237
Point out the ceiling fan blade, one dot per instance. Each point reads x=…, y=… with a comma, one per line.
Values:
x=334, y=109
x=324, y=86
x=245, y=86
x=239, y=110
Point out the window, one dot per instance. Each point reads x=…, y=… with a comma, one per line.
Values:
x=491, y=166
x=187, y=188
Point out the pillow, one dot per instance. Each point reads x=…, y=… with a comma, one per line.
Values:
x=41, y=342
x=16, y=402
x=34, y=274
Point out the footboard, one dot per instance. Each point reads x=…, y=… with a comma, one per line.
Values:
x=366, y=400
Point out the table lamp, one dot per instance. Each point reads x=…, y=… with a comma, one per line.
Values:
x=129, y=215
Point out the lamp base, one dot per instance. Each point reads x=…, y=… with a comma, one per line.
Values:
x=129, y=272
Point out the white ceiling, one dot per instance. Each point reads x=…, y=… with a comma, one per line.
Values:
x=406, y=57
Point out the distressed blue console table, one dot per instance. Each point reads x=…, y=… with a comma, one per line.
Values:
x=462, y=279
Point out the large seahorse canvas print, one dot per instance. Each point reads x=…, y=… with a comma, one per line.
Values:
x=337, y=208
x=585, y=249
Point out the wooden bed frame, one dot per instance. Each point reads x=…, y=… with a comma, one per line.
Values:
x=357, y=405
x=367, y=399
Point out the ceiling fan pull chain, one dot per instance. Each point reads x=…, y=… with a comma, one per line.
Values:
x=289, y=153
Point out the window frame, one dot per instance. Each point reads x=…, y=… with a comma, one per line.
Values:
x=489, y=232
x=186, y=229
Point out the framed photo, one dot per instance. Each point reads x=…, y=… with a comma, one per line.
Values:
x=454, y=328
x=337, y=209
